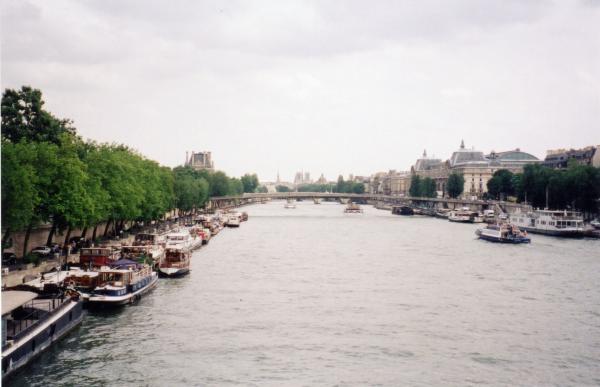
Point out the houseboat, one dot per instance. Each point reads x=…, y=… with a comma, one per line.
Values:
x=150, y=254
x=176, y=262
x=183, y=239
x=353, y=208
x=403, y=210
x=463, y=215
x=98, y=256
x=31, y=322
x=503, y=233
x=123, y=283
x=149, y=239
x=548, y=222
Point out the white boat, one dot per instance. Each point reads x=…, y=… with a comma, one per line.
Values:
x=122, y=284
x=32, y=322
x=353, y=208
x=548, y=222
x=183, y=239
x=503, y=233
x=317, y=200
x=464, y=215
x=176, y=262
x=233, y=220
x=595, y=224
x=289, y=204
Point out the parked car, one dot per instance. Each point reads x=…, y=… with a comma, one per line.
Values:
x=43, y=251
x=9, y=259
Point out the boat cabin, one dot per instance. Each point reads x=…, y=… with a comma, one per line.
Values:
x=98, y=256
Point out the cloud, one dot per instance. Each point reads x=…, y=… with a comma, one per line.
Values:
x=335, y=87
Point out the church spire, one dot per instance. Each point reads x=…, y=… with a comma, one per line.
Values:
x=462, y=144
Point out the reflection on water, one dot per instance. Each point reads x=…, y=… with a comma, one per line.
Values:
x=314, y=296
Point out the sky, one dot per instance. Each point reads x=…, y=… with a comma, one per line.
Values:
x=332, y=87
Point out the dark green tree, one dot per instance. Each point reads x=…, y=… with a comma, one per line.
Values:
x=455, y=185
x=428, y=188
x=250, y=182
x=415, y=186
x=24, y=117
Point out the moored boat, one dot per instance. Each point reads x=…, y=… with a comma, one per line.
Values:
x=503, y=233
x=353, y=208
x=595, y=224
x=289, y=204
x=123, y=283
x=463, y=215
x=548, y=222
x=403, y=210
x=176, y=262
x=31, y=322
x=233, y=220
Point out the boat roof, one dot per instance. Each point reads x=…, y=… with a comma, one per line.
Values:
x=178, y=234
x=12, y=299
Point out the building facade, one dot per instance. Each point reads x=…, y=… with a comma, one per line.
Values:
x=199, y=161
x=559, y=158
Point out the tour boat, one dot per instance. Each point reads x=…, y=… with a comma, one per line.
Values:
x=289, y=204
x=503, y=233
x=595, y=224
x=548, y=222
x=176, y=262
x=123, y=283
x=353, y=208
x=317, y=200
x=464, y=215
x=31, y=322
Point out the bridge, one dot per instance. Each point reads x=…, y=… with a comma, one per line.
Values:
x=382, y=201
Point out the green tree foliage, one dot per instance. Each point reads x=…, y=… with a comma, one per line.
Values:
x=348, y=186
x=576, y=187
x=282, y=188
x=422, y=187
x=19, y=194
x=262, y=189
x=428, y=188
x=415, y=186
x=24, y=118
x=219, y=184
x=314, y=188
x=501, y=184
x=455, y=185
x=250, y=182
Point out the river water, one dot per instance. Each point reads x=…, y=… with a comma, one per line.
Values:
x=312, y=296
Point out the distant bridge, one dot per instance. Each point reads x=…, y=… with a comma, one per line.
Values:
x=225, y=202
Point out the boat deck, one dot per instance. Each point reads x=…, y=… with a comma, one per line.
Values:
x=31, y=313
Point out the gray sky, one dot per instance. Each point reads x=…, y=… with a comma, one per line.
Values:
x=325, y=86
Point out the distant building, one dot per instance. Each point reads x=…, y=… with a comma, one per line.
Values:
x=322, y=180
x=200, y=161
x=559, y=158
x=477, y=169
x=433, y=168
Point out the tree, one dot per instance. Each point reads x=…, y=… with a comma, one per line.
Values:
x=282, y=188
x=415, y=186
x=358, y=188
x=501, y=184
x=23, y=117
x=19, y=194
x=262, y=189
x=455, y=185
x=428, y=188
x=250, y=182
x=219, y=184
